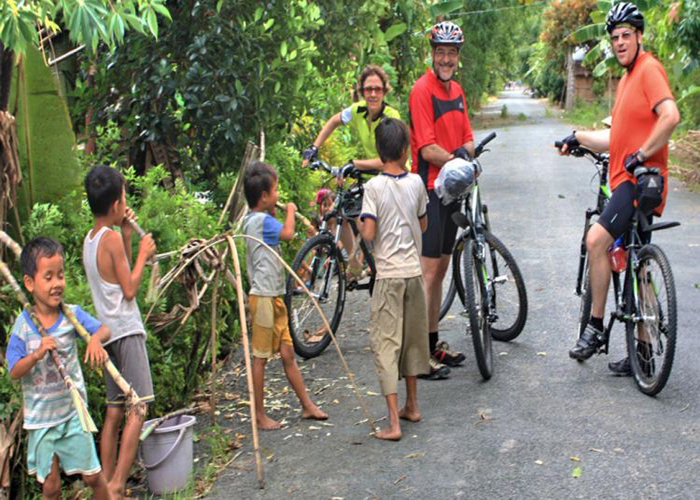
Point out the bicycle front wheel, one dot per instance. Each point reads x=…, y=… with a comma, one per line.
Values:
x=452, y=284
x=321, y=267
x=474, y=280
x=508, y=294
x=651, y=333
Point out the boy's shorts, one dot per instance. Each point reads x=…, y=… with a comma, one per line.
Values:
x=398, y=331
x=270, y=325
x=131, y=359
x=74, y=447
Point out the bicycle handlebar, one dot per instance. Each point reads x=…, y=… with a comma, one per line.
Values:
x=480, y=148
x=579, y=151
x=355, y=173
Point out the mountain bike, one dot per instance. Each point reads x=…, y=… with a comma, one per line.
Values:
x=486, y=277
x=644, y=294
x=321, y=265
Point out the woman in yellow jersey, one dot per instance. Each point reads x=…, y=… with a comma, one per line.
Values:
x=362, y=117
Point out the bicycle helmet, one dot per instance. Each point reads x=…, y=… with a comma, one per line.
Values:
x=446, y=33
x=624, y=12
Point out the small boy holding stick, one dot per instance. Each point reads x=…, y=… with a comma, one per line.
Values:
x=56, y=437
x=270, y=329
x=394, y=216
x=107, y=258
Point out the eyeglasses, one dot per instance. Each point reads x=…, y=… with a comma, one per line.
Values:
x=442, y=53
x=373, y=90
x=625, y=35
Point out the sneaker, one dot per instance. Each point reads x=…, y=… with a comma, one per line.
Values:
x=621, y=368
x=588, y=343
x=438, y=371
x=443, y=354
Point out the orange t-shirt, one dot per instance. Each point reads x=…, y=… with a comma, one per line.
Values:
x=633, y=119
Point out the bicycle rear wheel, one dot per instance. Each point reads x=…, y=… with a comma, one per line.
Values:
x=508, y=297
x=321, y=267
x=452, y=283
x=651, y=335
x=473, y=279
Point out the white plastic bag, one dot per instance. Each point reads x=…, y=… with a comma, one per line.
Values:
x=455, y=179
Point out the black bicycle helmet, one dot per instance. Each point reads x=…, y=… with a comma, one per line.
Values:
x=624, y=12
x=446, y=33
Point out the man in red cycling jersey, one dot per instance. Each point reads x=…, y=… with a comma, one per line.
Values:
x=643, y=119
x=440, y=131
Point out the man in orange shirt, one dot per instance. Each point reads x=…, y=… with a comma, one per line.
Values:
x=643, y=118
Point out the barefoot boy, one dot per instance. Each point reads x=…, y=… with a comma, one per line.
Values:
x=107, y=257
x=394, y=216
x=266, y=276
x=56, y=439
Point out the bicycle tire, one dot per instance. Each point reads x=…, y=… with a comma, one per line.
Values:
x=656, y=299
x=455, y=287
x=509, y=295
x=319, y=254
x=477, y=309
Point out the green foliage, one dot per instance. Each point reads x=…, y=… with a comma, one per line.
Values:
x=89, y=21
x=45, y=137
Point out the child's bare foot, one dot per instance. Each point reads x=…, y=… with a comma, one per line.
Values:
x=410, y=415
x=313, y=412
x=389, y=434
x=116, y=493
x=265, y=423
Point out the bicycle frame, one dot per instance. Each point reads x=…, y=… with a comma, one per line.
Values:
x=604, y=194
x=337, y=214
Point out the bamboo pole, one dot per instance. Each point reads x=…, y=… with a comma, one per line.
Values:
x=350, y=375
x=212, y=342
x=86, y=421
x=246, y=353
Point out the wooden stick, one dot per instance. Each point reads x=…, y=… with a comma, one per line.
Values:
x=155, y=267
x=86, y=421
x=246, y=353
x=350, y=375
x=133, y=401
x=212, y=343
x=10, y=243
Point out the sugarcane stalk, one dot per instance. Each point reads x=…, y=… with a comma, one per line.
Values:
x=151, y=427
x=305, y=221
x=212, y=342
x=133, y=401
x=155, y=266
x=248, y=367
x=10, y=243
x=86, y=421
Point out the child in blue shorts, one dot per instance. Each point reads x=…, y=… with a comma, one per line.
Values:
x=56, y=439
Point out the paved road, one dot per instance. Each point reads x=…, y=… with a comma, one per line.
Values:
x=546, y=415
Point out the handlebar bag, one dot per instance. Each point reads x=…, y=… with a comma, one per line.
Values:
x=455, y=179
x=649, y=192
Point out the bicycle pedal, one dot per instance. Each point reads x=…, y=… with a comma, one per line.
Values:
x=500, y=279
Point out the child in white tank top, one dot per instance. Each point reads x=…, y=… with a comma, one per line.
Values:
x=113, y=283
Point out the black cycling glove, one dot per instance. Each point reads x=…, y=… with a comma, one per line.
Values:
x=310, y=153
x=462, y=152
x=571, y=141
x=632, y=161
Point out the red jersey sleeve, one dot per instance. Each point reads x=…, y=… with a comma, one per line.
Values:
x=655, y=85
x=422, y=126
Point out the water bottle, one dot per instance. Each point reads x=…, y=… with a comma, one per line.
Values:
x=618, y=255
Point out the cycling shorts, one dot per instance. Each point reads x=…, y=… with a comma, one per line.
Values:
x=439, y=237
x=617, y=214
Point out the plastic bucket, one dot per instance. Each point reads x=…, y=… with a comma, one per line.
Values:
x=167, y=454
